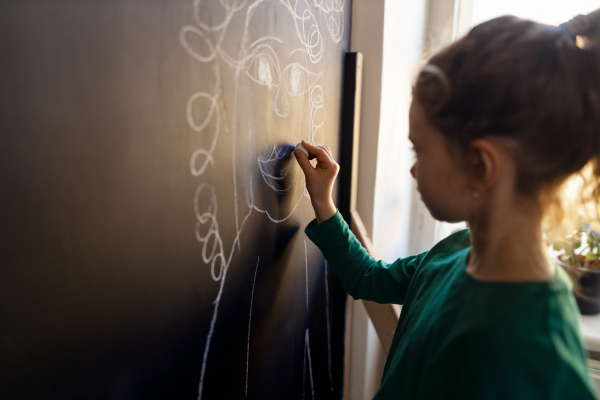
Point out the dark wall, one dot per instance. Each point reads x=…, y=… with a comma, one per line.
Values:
x=151, y=221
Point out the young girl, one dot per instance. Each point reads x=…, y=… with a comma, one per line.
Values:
x=499, y=120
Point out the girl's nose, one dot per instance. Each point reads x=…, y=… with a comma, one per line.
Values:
x=412, y=172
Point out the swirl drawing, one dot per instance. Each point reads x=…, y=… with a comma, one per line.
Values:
x=253, y=75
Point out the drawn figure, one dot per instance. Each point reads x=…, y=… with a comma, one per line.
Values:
x=335, y=16
x=260, y=97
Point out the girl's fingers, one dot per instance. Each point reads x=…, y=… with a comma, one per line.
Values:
x=303, y=162
x=318, y=152
x=312, y=150
x=328, y=150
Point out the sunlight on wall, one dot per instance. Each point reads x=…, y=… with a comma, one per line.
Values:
x=551, y=12
x=402, y=44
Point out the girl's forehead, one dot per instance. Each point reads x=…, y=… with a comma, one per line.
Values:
x=419, y=127
x=416, y=112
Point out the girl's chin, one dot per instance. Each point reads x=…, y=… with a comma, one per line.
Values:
x=438, y=213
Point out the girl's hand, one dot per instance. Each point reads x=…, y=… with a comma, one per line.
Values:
x=319, y=179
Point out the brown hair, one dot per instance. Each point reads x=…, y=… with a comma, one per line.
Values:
x=527, y=83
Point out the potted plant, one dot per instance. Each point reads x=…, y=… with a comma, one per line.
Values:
x=579, y=255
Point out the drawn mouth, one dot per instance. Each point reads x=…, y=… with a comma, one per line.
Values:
x=276, y=166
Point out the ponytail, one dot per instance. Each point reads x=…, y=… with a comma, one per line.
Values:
x=578, y=199
x=587, y=26
x=584, y=203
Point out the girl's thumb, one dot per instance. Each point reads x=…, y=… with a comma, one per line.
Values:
x=303, y=161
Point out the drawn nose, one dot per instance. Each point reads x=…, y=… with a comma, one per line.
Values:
x=281, y=105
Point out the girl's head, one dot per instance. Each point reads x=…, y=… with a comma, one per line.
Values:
x=531, y=91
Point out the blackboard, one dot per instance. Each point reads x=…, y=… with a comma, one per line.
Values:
x=151, y=220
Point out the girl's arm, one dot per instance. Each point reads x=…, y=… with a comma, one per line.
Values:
x=361, y=275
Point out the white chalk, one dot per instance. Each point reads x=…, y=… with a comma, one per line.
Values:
x=300, y=147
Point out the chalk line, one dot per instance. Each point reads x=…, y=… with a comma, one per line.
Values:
x=249, y=324
x=307, y=355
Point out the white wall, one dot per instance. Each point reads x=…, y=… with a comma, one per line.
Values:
x=391, y=45
x=367, y=38
x=366, y=354
x=404, y=26
x=553, y=12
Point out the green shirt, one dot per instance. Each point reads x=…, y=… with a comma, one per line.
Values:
x=459, y=337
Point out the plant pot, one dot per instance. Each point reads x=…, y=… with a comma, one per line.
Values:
x=589, y=281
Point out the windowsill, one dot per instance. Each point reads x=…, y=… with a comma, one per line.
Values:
x=590, y=330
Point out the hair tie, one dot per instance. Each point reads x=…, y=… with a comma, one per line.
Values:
x=436, y=96
x=587, y=26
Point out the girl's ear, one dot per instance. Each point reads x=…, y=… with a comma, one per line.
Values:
x=486, y=160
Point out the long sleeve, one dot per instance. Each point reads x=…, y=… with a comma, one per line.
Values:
x=361, y=275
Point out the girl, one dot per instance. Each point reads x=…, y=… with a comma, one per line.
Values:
x=499, y=120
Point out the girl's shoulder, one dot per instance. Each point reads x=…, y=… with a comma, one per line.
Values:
x=449, y=248
x=457, y=240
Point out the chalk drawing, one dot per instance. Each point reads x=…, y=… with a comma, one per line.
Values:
x=307, y=356
x=276, y=155
x=214, y=109
x=216, y=254
x=250, y=324
x=258, y=61
x=273, y=219
x=306, y=337
x=306, y=28
x=334, y=11
x=317, y=116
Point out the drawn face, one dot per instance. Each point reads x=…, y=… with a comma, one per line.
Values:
x=265, y=95
x=283, y=104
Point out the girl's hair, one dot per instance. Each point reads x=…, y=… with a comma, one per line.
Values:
x=535, y=86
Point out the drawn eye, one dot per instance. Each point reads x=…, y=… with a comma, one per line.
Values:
x=298, y=80
x=263, y=69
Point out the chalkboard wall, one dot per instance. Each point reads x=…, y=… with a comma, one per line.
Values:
x=151, y=220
